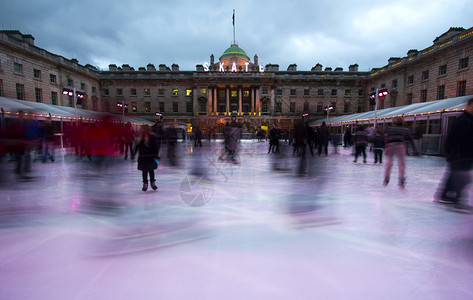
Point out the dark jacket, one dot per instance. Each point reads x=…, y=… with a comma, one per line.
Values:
x=379, y=141
x=147, y=153
x=360, y=138
x=459, y=144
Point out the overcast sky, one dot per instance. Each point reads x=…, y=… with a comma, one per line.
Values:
x=334, y=33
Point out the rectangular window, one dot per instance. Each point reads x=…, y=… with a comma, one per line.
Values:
x=461, y=88
x=20, y=91
x=423, y=96
x=346, y=108
x=36, y=74
x=292, y=107
x=160, y=92
x=347, y=92
x=425, y=75
x=94, y=90
x=203, y=91
x=18, y=68
x=410, y=79
x=38, y=95
x=70, y=82
x=188, y=92
x=71, y=101
x=334, y=92
x=175, y=92
x=221, y=93
x=134, y=107
x=53, y=98
x=264, y=106
x=147, y=106
x=265, y=91
x=306, y=107
x=175, y=107
x=394, y=83
x=133, y=92
x=393, y=100
x=443, y=70
x=233, y=94
x=188, y=106
x=53, y=78
x=361, y=92
x=441, y=92
x=161, y=107
x=306, y=92
x=463, y=63
x=319, y=108
x=94, y=104
x=278, y=107
x=409, y=98
x=147, y=92
x=82, y=86
x=279, y=92
x=246, y=94
x=119, y=92
x=292, y=92
x=106, y=92
x=320, y=92
x=203, y=106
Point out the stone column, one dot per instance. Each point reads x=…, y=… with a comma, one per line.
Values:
x=240, y=102
x=252, y=100
x=215, y=109
x=194, y=102
x=257, y=102
x=227, y=96
x=273, y=100
x=209, y=100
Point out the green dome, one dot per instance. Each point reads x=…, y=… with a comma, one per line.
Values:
x=234, y=51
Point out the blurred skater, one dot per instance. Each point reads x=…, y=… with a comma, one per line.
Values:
x=396, y=138
x=147, y=150
x=459, y=149
x=360, y=140
x=379, y=142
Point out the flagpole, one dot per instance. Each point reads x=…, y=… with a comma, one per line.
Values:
x=234, y=27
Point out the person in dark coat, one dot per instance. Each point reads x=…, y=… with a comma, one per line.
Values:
x=147, y=150
x=379, y=141
x=323, y=136
x=198, y=137
x=459, y=150
x=360, y=139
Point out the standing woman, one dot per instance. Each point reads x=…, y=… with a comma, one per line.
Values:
x=147, y=156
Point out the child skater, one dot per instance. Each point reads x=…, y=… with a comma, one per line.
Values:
x=147, y=156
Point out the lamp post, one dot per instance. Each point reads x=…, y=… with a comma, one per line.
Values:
x=328, y=108
x=374, y=97
x=71, y=93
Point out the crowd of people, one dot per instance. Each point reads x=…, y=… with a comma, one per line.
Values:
x=25, y=139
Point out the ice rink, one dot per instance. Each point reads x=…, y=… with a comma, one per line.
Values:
x=219, y=230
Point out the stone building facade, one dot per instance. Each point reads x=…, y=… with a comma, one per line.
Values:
x=235, y=86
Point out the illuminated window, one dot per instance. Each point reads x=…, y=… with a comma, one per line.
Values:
x=147, y=92
x=233, y=93
x=134, y=107
x=188, y=92
x=175, y=92
x=246, y=94
x=203, y=91
x=347, y=92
